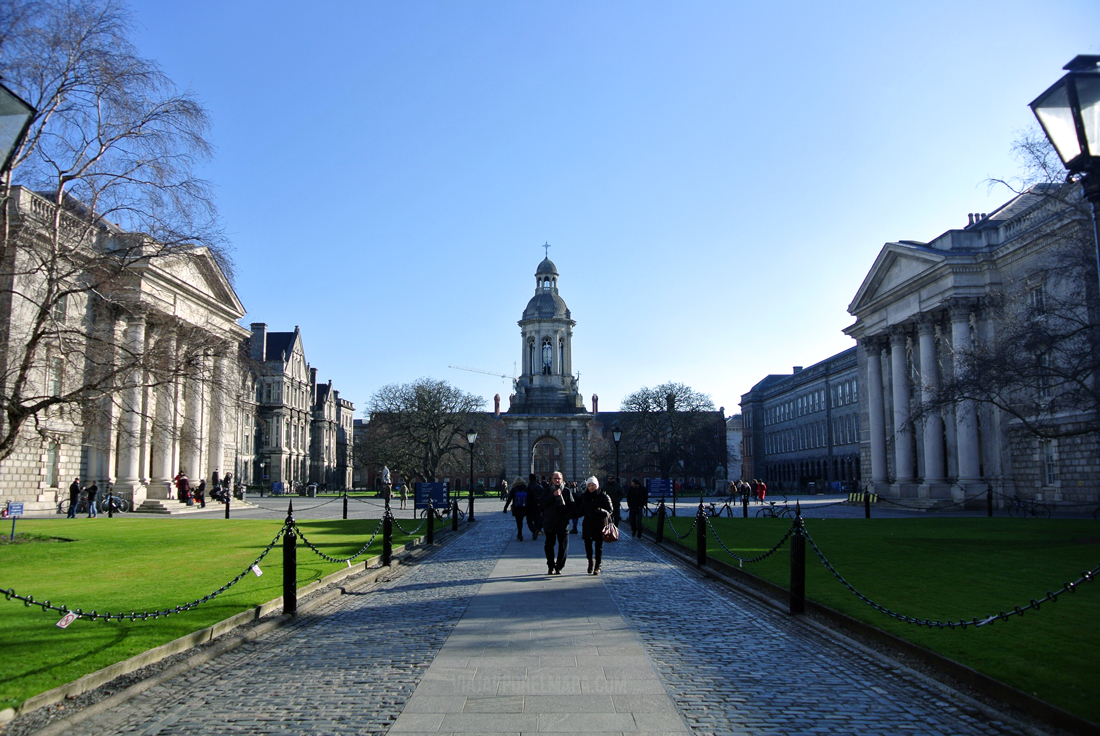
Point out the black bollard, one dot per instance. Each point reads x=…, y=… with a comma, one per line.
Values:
x=745, y=506
x=701, y=537
x=430, y=537
x=110, y=506
x=866, y=504
x=798, y=564
x=989, y=500
x=345, y=504
x=660, y=536
x=290, y=565
x=674, y=503
x=470, y=514
x=228, y=497
x=387, y=539
x=454, y=515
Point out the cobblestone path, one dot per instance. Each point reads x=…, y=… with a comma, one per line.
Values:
x=730, y=665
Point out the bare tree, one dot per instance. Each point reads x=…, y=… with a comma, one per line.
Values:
x=1042, y=364
x=102, y=189
x=418, y=429
x=665, y=425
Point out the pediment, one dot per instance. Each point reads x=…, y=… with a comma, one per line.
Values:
x=196, y=277
x=897, y=265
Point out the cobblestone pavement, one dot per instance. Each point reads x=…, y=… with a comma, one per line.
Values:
x=735, y=666
x=346, y=668
x=730, y=665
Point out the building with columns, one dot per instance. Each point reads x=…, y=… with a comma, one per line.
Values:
x=546, y=424
x=917, y=305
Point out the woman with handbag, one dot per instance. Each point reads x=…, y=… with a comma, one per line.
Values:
x=597, y=515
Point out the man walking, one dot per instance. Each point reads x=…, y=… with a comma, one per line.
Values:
x=518, y=500
x=615, y=492
x=93, y=491
x=535, y=497
x=74, y=498
x=557, y=509
x=637, y=498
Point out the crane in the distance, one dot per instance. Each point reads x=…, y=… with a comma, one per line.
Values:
x=502, y=376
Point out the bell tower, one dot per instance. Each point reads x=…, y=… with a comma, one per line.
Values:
x=546, y=420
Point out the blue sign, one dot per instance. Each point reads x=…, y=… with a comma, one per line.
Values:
x=437, y=492
x=15, y=509
x=659, y=487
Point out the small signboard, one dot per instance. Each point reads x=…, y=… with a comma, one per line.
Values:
x=660, y=488
x=15, y=509
x=437, y=492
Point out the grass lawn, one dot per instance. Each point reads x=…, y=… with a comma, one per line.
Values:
x=133, y=564
x=952, y=569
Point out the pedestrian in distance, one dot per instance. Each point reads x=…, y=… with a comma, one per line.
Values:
x=535, y=493
x=597, y=512
x=636, y=500
x=575, y=494
x=557, y=510
x=74, y=498
x=761, y=491
x=200, y=493
x=520, y=502
x=183, y=487
x=503, y=489
x=92, y=491
x=615, y=491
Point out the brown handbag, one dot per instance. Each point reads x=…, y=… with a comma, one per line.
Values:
x=610, y=532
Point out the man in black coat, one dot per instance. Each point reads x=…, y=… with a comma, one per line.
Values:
x=74, y=497
x=535, y=497
x=557, y=511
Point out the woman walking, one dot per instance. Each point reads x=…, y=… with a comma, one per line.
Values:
x=597, y=512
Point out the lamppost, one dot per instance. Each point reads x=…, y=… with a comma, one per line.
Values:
x=1069, y=112
x=617, y=435
x=15, y=118
x=471, y=438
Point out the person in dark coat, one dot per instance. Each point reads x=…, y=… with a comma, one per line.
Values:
x=597, y=512
x=535, y=494
x=200, y=493
x=74, y=498
x=615, y=491
x=557, y=510
x=93, y=491
x=183, y=489
x=520, y=501
x=636, y=500
x=575, y=493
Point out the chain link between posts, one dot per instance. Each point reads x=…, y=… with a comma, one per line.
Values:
x=1051, y=596
x=678, y=535
x=29, y=600
x=758, y=558
x=341, y=560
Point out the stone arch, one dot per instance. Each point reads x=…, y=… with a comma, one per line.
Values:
x=547, y=455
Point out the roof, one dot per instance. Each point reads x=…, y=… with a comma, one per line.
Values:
x=546, y=305
x=547, y=267
x=278, y=343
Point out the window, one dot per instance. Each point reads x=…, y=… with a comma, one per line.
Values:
x=1043, y=360
x=53, y=378
x=59, y=308
x=52, y=454
x=547, y=356
x=1036, y=299
x=1050, y=467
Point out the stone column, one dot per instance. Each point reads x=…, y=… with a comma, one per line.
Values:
x=218, y=416
x=903, y=444
x=966, y=417
x=191, y=441
x=164, y=422
x=876, y=411
x=930, y=382
x=129, y=425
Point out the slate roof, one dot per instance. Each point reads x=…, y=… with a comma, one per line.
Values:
x=546, y=268
x=278, y=343
x=546, y=305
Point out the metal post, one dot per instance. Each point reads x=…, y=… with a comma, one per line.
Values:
x=673, y=498
x=745, y=505
x=660, y=523
x=290, y=565
x=387, y=539
x=431, y=523
x=110, y=506
x=470, y=514
x=228, y=498
x=454, y=515
x=866, y=504
x=798, y=564
x=701, y=537
x=345, y=504
x=989, y=500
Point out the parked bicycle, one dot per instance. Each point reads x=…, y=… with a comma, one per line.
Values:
x=1023, y=508
x=716, y=508
x=443, y=512
x=770, y=511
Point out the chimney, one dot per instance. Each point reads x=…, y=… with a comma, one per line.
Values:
x=796, y=369
x=970, y=216
x=259, y=342
x=496, y=405
x=595, y=403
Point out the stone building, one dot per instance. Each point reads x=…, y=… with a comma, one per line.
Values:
x=285, y=411
x=158, y=343
x=329, y=432
x=546, y=423
x=802, y=428
x=919, y=302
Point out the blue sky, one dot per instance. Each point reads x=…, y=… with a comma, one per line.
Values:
x=715, y=179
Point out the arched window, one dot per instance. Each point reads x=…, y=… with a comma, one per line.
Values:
x=547, y=356
x=561, y=355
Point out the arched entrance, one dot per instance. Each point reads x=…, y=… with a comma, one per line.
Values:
x=547, y=455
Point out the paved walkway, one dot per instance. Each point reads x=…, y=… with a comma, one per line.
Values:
x=478, y=639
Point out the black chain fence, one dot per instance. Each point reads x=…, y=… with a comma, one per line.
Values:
x=319, y=553
x=758, y=558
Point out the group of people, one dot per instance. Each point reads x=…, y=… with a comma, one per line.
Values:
x=190, y=496
x=75, y=490
x=551, y=506
x=755, y=489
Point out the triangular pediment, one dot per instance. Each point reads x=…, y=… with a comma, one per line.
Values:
x=197, y=275
x=897, y=265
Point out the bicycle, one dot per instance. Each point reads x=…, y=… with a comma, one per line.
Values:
x=769, y=511
x=1020, y=507
x=442, y=512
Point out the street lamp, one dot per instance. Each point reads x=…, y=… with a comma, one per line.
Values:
x=15, y=118
x=471, y=437
x=617, y=435
x=1069, y=112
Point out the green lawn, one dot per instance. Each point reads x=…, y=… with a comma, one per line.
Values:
x=131, y=564
x=952, y=569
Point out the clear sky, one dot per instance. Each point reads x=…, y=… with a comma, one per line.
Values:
x=715, y=178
